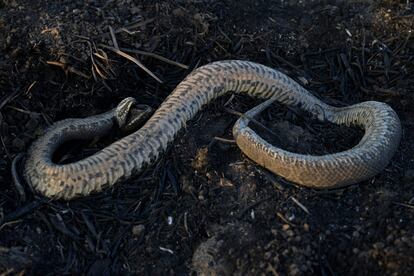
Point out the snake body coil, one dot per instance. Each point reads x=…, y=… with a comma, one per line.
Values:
x=130, y=154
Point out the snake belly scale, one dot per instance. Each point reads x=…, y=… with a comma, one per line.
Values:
x=130, y=154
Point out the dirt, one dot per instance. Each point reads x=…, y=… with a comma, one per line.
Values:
x=204, y=207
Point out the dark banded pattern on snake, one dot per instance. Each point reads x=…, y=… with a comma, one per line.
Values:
x=130, y=154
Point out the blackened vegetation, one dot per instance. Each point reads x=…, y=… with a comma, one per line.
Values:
x=58, y=61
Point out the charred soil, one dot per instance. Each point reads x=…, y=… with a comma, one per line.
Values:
x=204, y=207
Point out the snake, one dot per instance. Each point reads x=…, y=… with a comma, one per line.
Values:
x=132, y=153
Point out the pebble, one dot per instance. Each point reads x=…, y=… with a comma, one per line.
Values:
x=294, y=270
x=18, y=144
x=398, y=243
x=137, y=230
x=356, y=234
x=378, y=245
x=290, y=233
x=200, y=162
x=285, y=227
x=409, y=175
x=31, y=124
x=224, y=182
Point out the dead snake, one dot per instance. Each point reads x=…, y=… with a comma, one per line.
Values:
x=130, y=154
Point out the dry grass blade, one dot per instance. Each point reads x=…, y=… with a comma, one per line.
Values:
x=97, y=70
x=300, y=205
x=253, y=120
x=10, y=97
x=404, y=205
x=224, y=140
x=132, y=26
x=114, y=41
x=6, y=151
x=67, y=68
x=134, y=60
x=77, y=72
x=282, y=217
x=149, y=54
x=15, y=176
x=102, y=55
x=104, y=70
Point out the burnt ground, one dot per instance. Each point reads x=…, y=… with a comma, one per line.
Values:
x=204, y=206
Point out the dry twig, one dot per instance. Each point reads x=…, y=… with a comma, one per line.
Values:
x=134, y=60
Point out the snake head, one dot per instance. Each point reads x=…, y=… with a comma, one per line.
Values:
x=130, y=115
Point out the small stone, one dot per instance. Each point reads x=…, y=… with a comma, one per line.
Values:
x=398, y=243
x=224, y=182
x=135, y=10
x=294, y=270
x=355, y=234
x=31, y=124
x=200, y=162
x=290, y=233
x=18, y=144
x=285, y=227
x=290, y=216
x=390, y=238
x=137, y=230
x=378, y=245
x=303, y=268
x=409, y=175
x=178, y=12
x=8, y=40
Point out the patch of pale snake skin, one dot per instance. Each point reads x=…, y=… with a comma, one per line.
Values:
x=130, y=154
